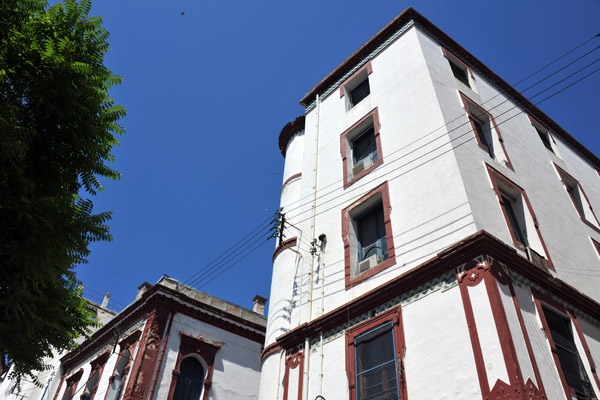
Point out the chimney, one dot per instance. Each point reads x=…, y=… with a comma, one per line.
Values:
x=105, y=300
x=143, y=288
x=259, y=304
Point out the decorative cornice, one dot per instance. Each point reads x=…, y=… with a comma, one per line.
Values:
x=288, y=131
x=468, y=251
x=399, y=25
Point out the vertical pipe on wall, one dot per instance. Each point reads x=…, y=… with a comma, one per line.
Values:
x=312, y=263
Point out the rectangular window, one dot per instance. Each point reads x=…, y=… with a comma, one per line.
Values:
x=374, y=358
x=361, y=91
x=578, y=198
x=572, y=367
x=545, y=139
x=357, y=87
x=520, y=218
x=544, y=134
x=486, y=131
x=360, y=147
x=515, y=222
x=367, y=235
x=459, y=69
x=372, y=243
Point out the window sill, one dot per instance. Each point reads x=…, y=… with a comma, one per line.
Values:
x=348, y=182
x=351, y=282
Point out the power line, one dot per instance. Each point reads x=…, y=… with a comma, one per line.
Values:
x=462, y=115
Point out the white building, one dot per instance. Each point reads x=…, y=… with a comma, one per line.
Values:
x=440, y=240
x=172, y=342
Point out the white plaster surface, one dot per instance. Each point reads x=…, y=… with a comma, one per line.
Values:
x=236, y=372
x=439, y=357
x=491, y=349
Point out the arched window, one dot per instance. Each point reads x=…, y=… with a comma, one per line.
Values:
x=114, y=388
x=89, y=387
x=191, y=378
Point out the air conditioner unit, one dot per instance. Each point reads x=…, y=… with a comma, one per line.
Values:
x=369, y=263
x=536, y=258
x=358, y=168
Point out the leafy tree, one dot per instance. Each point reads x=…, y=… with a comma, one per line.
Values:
x=57, y=128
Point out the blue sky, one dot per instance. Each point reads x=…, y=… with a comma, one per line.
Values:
x=207, y=93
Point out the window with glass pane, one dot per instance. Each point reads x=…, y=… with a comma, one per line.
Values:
x=459, y=73
x=375, y=359
x=545, y=139
x=190, y=380
x=360, y=92
x=480, y=127
x=371, y=234
x=515, y=225
x=364, y=147
x=570, y=362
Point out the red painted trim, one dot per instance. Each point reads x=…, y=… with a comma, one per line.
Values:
x=494, y=176
x=291, y=242
x=62, y=379
x=586, y=348
x=71, y=382
x=467, y=102
x=537, y=124
x=160, y=357
x=480, y=243
x=369, y=69
x=97, y=367
x=345, y=147
x=596, y=246
x=383, y=189
x=292, y=362
x=269, y=350
x=475, y=343
x=506, y=341
x=143, y=364
x=561, y=173
x=288, y=180
x=288, y=132
x=190, y=345
x=451, y=57
x=536, y=370
x=124, y=345
x=540, y=311
x=395, y=316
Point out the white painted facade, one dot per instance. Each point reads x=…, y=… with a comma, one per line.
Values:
x=470, y=297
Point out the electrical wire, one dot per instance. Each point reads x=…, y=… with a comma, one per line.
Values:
x=459, y=117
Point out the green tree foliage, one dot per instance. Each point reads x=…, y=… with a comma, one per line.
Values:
x=57, y=128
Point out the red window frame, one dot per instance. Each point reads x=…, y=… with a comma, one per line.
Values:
x=496, y=176
x=538, y=125
x=468, y=103
x=596, y=246
x=452, y=58
x=293, y=361
x=369, y=69
x=127, y=344
x=383, y=190
x=393, y=315
x=189, y=346
x=561, y=174
x=345, y=147
x=540, y=299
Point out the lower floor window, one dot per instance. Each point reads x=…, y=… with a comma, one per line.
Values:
x=376, y=364
x=189, y=383
x=374, y=358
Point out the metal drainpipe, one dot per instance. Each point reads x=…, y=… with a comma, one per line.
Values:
x=312, y=263
x=161, y=355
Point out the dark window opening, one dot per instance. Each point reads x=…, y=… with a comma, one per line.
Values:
x=515, y=226
x=375, y=360
x=459, y=73
x=545, y=139
x=481, y=134
x=359, y=93
x=190, y=381
x=568, y=357
x=364, y=148
x=372, y=240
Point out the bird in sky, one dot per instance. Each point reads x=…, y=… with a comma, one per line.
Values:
x=182, y=13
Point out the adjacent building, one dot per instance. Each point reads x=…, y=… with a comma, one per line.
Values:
x=172, y=342
x=440, y=239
